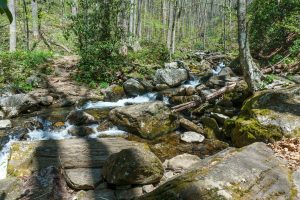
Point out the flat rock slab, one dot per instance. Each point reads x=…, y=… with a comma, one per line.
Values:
x=192, y=137
x=28, y=156
x=4, y=124
x=83, y=178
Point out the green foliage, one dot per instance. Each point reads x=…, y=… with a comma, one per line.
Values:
x=153, y=52
x=275, y=25
x=18, y=66
x=99, y=39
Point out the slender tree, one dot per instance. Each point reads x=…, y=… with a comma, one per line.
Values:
x=252, y=74
x=12, y=27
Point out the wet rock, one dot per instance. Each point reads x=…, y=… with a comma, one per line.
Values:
x=79, y=118
x=133, y=166
x=148, y=85
x=129, y=194
x=147, y=120
x=133, y=87
x=80, y=131
x=189, y=91
x=17, y=104
x=190, y=137
x=268, y=116
x=160, y=87
x=33, y=123
x=181, y=162
x=83, y=178
x=171, y=76
x=253, y=172
x=5, y=124
x=219, y=117
x=113, y=93
x=211, y=127
x=47, y=100
x=98, y=194
x=179, y=91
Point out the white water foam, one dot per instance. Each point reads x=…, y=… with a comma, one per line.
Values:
x=218, y=69
x=192, y=83
x=49, y=134
x=110, y=132
x=123, y=102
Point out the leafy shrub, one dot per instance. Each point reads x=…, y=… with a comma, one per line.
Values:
x=16, y=67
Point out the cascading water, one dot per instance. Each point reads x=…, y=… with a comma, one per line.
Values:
x=123, y=102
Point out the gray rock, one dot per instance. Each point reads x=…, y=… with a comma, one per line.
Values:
x=147, y=120
x=79, y=118
x=190, y=137
x=133, y=87
x=2, y=115
x=33, y=123
x=129, y=194
x=148, y=188
x=17, y=104
x=171, y=77
x=181, y=162
x=5, y=124
x=134, y=166
x=219, y=117
x=160, y=87
x=253, y=172
x=47, y=100
x=83, y=178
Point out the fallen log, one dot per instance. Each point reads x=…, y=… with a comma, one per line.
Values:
x=192, y=104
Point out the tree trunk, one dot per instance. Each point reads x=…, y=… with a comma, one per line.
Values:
x=12, y=27
x=26, y=26
x=74, y=7
x=252, y=74
x=139, y=19
x=35, y=19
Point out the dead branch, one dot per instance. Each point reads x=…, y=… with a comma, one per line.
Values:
x=192, y=104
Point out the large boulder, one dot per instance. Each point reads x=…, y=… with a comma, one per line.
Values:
x=147, y=120
x=253, y=172
x=171, y=76
x=267, y=116
x=133, y=166
x=133, y=87
x=113, y=93
x=17, y=104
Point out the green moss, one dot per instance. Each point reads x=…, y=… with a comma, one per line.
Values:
x=118, y=89
x=249, y=130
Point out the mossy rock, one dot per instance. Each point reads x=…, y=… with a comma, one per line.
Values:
x=248, y=131
x=267, y=116
x=211, y=127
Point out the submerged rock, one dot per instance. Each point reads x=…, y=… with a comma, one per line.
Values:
x=133, y=166
x=171, y=76
x=134, y=88
x=252, y=172
x=147, y=120
x=266, y=117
